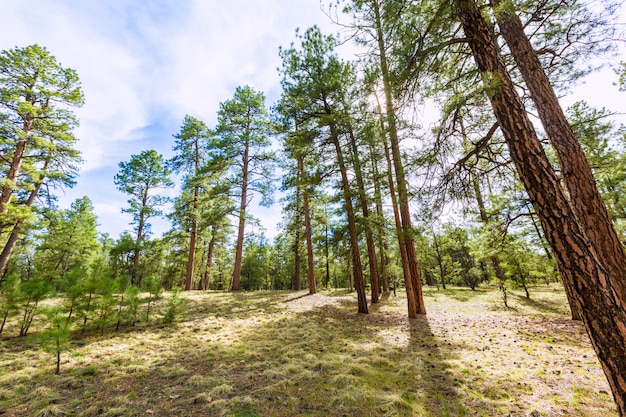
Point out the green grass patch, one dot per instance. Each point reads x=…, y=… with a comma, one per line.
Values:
x=289, y=354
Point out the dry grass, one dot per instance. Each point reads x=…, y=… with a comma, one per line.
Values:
x=287, y=354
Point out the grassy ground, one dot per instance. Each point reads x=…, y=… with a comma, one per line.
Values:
x=289, y=354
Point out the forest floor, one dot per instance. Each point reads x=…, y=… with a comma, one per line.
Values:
x=291, y=354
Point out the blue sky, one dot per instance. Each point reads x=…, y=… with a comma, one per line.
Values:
x=145, y=64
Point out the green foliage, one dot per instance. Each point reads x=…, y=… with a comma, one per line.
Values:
x=70, y=240
x=154, y=288
x=175, y=306
x=31, y=293
x=138, y=178
x=605, y=147
x=36, y=124
x=242, y=143
x=55, y=338
x=9, y=298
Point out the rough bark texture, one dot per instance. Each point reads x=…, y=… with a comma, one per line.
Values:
x=403, y=195
x=603, y=312
x=369, y=235
x=357, y=268
x=590, y=209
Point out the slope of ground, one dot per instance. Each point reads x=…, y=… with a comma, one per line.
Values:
x=290, y=354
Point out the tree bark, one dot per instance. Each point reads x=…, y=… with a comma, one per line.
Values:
x=191, y=259
x=14, y=171
x=403, y=196
x=590, y=209
x=137, y=251
x=307, y=229
x=412, y=303
x=380, y=228
x=14, y=236
x=242, y=220
x=603, y=312
x=357, y=269
x=209, y=263
x=369, y=236
x=296, y=253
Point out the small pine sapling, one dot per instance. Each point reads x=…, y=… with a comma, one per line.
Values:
x=154, y=289
x=175, y=306
x=55, y=339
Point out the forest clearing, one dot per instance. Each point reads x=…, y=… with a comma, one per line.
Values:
x=292, y=354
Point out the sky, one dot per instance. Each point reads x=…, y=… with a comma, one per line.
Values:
x=145, y=64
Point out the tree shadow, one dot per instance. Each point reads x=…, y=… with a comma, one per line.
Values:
x=311, y=356
x=541, y=306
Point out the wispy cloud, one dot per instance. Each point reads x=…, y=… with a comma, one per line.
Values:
x=144, y=64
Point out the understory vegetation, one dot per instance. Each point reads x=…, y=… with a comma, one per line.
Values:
x=288, y=353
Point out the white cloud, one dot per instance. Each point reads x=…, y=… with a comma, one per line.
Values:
x=145, y=64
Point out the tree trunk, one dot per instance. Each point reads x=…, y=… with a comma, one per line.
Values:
x=307, y=229
x=209, y=263
x=442, y=267
x=369, y=236
x=296, y=253
x=359, y=284
x=137, y=251
x=13, y=173
x=576, y=315
x=380, y=227
x=242, y=221
x=590, y=209
x=603, y=312
x=191, y=259
x=412, y=303
x=403, y=196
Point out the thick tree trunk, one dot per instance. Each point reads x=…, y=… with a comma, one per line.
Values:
x=403, y=195
x=590, y=209
x=576, y=315
x=369, y=235
x=357, y=269
x=307, y=230
x=603, y=312
x=242, y=221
